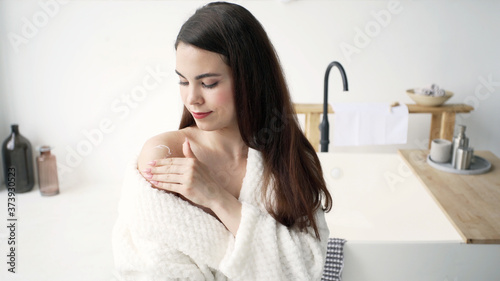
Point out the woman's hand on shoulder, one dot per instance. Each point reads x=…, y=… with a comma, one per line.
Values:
x=183, y=174
x=165, y=145
x=186, y=176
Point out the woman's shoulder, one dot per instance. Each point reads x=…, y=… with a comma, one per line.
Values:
x=164, y=141
x=167, y=144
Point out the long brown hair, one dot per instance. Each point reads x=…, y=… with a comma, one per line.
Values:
x=265, y=113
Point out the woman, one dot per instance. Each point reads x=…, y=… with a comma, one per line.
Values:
x=240, y=195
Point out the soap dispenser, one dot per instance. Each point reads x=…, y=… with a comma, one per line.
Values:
x=460, y=140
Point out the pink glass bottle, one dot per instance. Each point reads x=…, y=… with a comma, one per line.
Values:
x=47, y=172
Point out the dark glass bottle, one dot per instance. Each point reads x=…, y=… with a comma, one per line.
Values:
x=18, y=159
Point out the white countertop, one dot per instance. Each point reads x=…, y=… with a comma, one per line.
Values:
x=62, y=237
x=68, y=236
x=378, y=199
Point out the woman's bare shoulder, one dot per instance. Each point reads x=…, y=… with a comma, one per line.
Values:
x=168, y=144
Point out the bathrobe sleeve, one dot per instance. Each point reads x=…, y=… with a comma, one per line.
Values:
x=158, y=236
x=264, y=249
x=139, y=258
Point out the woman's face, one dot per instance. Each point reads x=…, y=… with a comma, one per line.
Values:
x=206, y=87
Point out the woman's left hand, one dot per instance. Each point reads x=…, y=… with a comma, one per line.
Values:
x=186, y=176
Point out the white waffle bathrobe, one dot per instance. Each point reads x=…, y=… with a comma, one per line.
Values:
x=159, y=236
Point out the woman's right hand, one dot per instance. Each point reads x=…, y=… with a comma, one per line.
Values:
x=186, y=176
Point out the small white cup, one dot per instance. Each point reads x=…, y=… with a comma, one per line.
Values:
x=441, y=151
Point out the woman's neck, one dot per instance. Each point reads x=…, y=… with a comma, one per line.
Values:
x=226, y=142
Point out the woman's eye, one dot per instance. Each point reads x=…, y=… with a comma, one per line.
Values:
x=210, y=86
x=182, y=83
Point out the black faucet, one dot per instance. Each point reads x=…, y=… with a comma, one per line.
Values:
x=324, y=126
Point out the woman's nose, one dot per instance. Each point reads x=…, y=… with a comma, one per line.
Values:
x=194, y=96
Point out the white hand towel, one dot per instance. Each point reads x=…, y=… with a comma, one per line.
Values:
x=369, y=124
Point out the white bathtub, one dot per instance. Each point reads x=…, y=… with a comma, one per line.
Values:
x=393, y=227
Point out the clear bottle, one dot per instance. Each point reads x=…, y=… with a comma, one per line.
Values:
x=47, y=172
x=18, y=161
x=460, y=140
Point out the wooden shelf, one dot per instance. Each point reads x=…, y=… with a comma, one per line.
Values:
x=442, y=122
x=471, y=202
x=443, y=118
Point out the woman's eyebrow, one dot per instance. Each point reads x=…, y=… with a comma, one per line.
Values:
x=179, y=74
x=205, y=75
x=201, y=76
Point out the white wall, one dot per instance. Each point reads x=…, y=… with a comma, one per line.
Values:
x=69, y=68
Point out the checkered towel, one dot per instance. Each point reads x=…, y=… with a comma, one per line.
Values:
x=334, y=260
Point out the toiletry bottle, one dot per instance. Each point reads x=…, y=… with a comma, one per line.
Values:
x=18, y=161
x=47, y=172
x=460, y=140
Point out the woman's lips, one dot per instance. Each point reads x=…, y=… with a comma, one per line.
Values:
x=201, y=115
